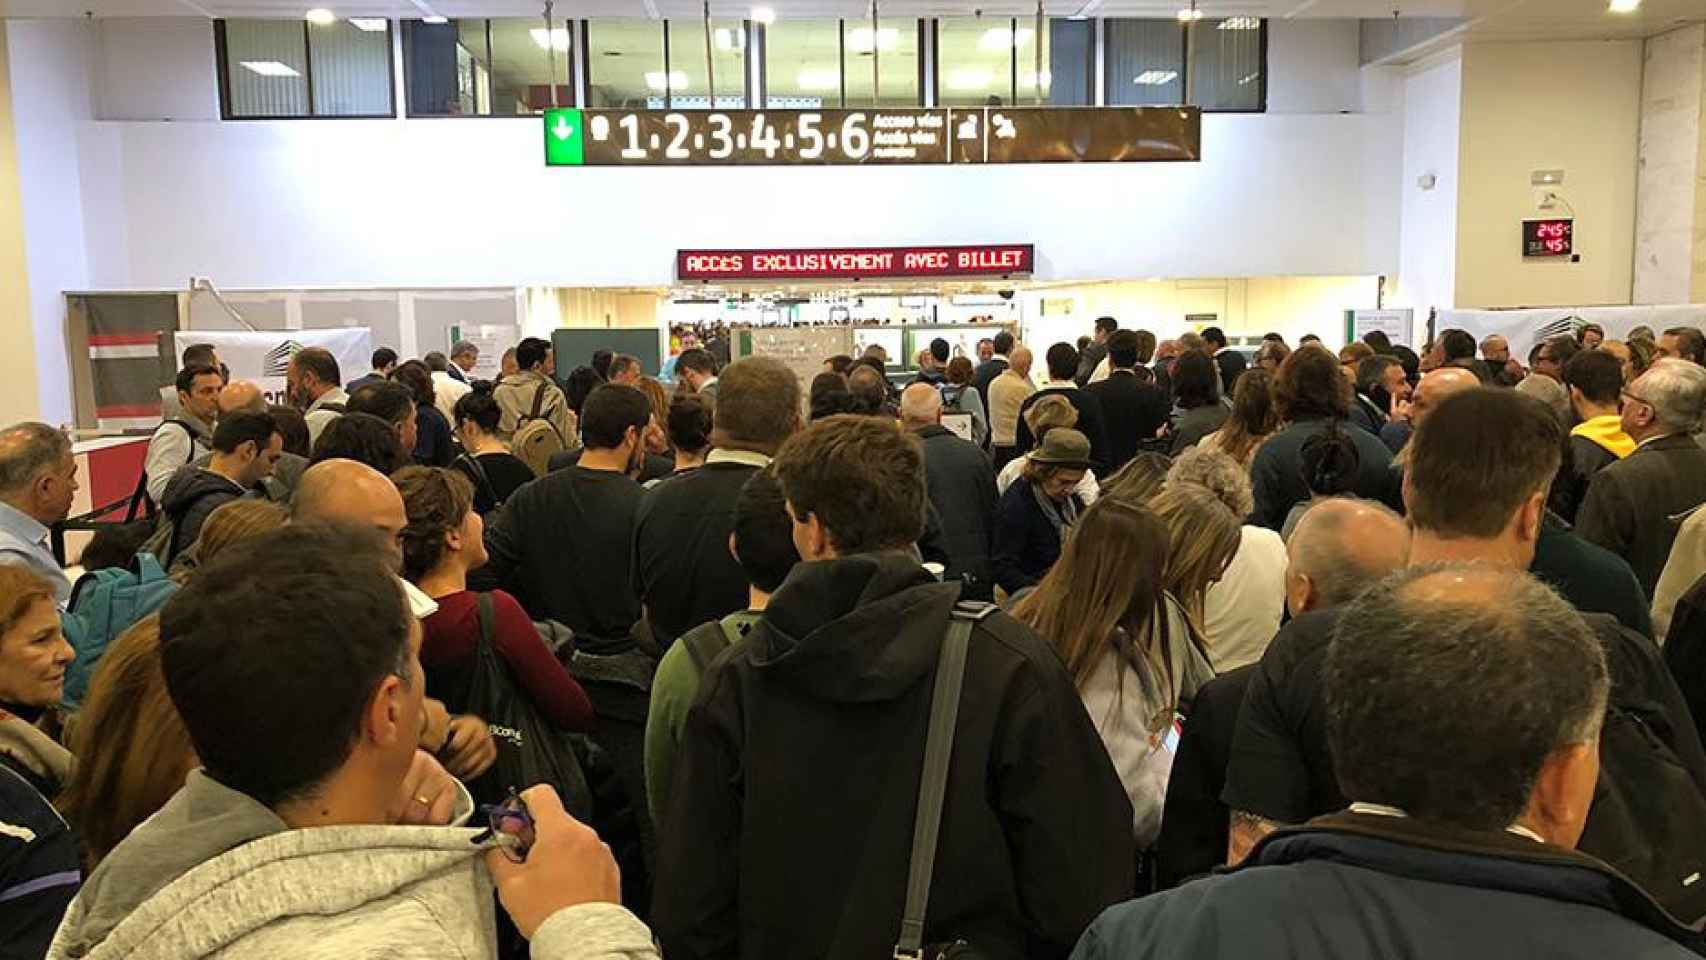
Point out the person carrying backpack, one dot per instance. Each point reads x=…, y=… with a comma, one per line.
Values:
x=536, y=420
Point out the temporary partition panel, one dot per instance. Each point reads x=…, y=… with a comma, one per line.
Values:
x=575, y=348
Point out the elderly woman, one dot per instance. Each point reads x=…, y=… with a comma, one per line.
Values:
x=1039, y=508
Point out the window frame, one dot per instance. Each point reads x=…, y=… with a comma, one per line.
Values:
x=1186, y=62
x=222, y=61
x=574, y=57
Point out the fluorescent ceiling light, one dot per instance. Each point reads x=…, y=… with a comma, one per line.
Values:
x=1190, y=14
x=1625, y=6
x=887, y=38
x=321, y=16
x=557, y=38
x=369, y=24
x=809, y=79
x=1001, y=38
x=269, y=68
x=967, y=78
x=1249, y=79
x=763, y=15
x=677, y=80
x=730, y=39
x=435, y=20
x=1156, y=78
x=1240, y=23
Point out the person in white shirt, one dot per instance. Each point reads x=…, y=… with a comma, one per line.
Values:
x=446, y=387
x=180, y=440
x=38, y=483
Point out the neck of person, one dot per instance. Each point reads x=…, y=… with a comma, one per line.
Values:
x=486, y=443
x=606, y=459
x=688, y=459
x=450, y=576
x=1113, y=370
x=1653, y=432
x=226, y=465
x=28, y=509
x=1504, y=550
x=352, y=797
x=1591, y=411
x=30, y=713
x=757, y=600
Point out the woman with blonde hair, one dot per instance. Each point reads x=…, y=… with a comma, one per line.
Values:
x=1140, y=479
x=1252, y=421
x=1129, y=647
x=1203, y=537
x=132, y=749
x=1045, y=415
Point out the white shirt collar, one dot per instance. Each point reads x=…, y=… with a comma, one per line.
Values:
x=421, y=605
x=1381, y=810
x=1062, y=384
x=751, y=458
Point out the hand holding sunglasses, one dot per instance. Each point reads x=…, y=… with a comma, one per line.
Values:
x=553, y=862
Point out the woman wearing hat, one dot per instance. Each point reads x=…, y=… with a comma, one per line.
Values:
x=1038, y=509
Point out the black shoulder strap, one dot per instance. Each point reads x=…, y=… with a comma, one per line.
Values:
x=538, y=401
x=334, y=407
x=486, y=617
x=704, y=644
x=932, y=786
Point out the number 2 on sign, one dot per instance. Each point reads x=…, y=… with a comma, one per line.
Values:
x=676, y=150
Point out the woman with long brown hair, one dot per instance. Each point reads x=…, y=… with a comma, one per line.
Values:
x=1203, y=537
x=1253, y=418
x=132, y=749
x=1132, y=652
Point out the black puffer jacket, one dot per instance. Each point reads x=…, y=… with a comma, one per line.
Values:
x=962, y=489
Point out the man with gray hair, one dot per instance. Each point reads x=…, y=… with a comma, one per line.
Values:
x=38, y=481
x=463, y=356
x=961, y=486
x=1634, y=506
x=1339, y=547
x=1469, y=787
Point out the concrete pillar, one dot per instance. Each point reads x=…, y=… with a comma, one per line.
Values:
x=1670, y=211
x=18, y=398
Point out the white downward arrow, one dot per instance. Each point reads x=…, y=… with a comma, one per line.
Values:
x=563, y=130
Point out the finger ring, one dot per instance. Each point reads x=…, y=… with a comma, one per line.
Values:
x=423, y=801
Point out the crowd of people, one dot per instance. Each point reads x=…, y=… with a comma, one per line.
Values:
x=1163, y=651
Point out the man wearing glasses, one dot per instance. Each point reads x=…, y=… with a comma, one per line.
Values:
x=1634, y=506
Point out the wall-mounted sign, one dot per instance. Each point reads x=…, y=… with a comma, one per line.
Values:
x=855, y=263
x=606, y=138
x=1548, y=238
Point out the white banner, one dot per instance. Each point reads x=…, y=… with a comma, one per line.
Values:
x=264, y=356
x=1525, y=328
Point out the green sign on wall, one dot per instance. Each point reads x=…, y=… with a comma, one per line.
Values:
x=565, y=146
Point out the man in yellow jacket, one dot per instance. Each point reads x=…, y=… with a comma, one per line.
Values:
x=1595, y=382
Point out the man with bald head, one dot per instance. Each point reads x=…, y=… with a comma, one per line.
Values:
x=1341, y=545
x=1007, y=393
x=1435, y=386
x=961, y=484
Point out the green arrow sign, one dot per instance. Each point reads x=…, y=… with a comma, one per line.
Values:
x=564, y=144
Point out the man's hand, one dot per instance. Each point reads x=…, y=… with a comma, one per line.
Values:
x=469, y=751
x=567, y=866
x=435, y=725
x=1400, y=410
x=427, y=797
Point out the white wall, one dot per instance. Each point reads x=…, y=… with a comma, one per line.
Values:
x=1313, y=66
x=1433, y=105
x=17, y=366
x=1670, y=192
x=159, y=68
x=1520, y=114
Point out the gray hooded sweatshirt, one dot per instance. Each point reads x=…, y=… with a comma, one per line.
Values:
x=216, y=874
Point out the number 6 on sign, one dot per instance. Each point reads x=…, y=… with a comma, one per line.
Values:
x=854, y=140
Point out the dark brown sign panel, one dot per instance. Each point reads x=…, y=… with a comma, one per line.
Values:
x=873, y=136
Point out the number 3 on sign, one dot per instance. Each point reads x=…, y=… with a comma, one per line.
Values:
x=722, y=145
x=764, y=137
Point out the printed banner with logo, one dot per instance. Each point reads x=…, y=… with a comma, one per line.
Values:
x=1525, y=328
x=264, y=356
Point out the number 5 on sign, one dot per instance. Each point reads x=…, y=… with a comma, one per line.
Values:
x=565, y=141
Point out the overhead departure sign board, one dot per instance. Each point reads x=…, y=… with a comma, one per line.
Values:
x=855, y=263
x=613, y=138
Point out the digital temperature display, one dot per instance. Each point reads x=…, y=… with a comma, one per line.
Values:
x=607, y=138
x=1548, y=238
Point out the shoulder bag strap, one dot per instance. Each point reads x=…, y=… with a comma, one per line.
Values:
x=486, y=618
x=538, y=401
x=932, y=786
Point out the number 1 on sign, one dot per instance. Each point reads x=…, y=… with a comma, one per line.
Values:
x=764, y=137
x=633, y=151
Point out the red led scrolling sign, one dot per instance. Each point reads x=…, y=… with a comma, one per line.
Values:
x=855, y=263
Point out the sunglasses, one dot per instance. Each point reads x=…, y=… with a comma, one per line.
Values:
x=512, y=820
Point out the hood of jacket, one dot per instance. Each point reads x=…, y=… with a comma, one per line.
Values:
x=857, y=629
x=188, y=486
x=1607, y=431
x=214, y=866
x=34, y=752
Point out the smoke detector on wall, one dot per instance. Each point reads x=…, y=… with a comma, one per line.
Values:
x=1427, y=181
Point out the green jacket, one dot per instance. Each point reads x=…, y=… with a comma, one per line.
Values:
x=674, y=689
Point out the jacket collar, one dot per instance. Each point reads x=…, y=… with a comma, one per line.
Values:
x=1670, y=441
x=933, y=430
x=1406, y=847
x=751, y=458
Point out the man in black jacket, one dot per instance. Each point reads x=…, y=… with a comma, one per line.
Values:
x=683, y=568
x=1062, y=364
x=1634, y=506
x=1465, y=505
x=1096, y=350
x=1134, y=408
x=1472, y=783
x=989, y=369
x=1231, y=362
x=802, y=758
x=961, y=484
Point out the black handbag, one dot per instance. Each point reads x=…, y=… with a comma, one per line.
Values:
x=933, y=786
x=531, y=750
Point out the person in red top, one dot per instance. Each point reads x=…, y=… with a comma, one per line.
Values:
x=444, y=540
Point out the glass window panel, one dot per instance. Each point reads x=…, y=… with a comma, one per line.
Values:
x=266, y=68
x=802, y=64
x=626, y=68
x=445, y=66
x=351, y=70
x=527, y=60
x=974, y=60
x=687, y=62
x=1069, y=67
x=1145, y=62
x=893, y=46
x=1227, y=64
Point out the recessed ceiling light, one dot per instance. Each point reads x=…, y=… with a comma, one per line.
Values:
x=269, y=68
x=369, y=24
x=1156, y=78
x=677, y=80
x=763, y=15
x=1190, y=14
x=557, y=38
x=1001, y=38
x=435, y=20
x=730, y=40
x=860, y=40
x=1625, y=6
x=809, y=79
x=970, y=79
x=1240, y=23
x=321, y=16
